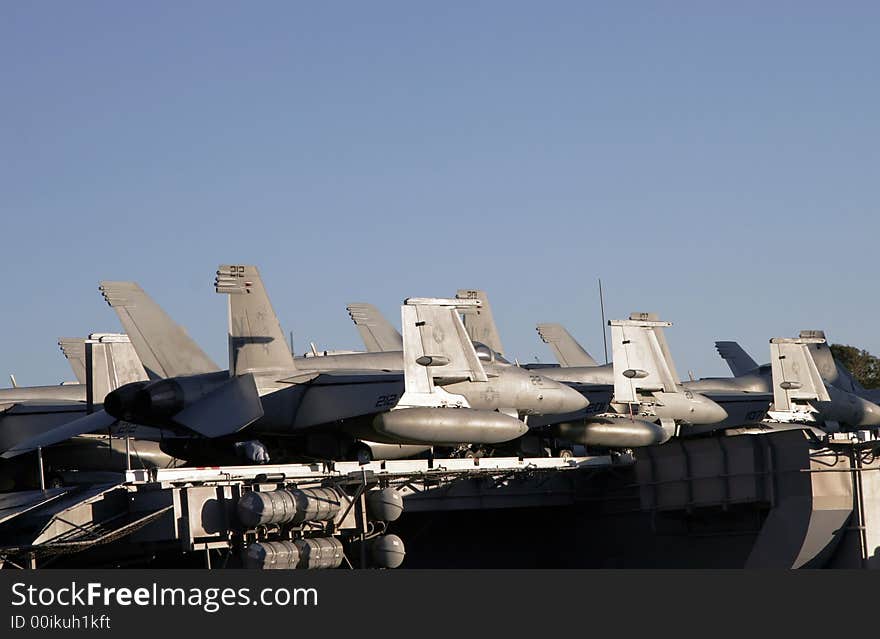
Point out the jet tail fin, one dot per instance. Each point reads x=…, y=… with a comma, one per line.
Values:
x=479, y=321
x=436, y=346
x=111, y=362
x=163, y=346
x=74, y=349
x=831, y=372
x=657, y=328
x=640, y=359
x=378, y=334
x=739, y=361
x=256, y=341
x=566, y=349
x=795, y=375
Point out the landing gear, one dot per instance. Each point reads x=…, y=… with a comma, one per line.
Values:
x=362, y=454
x=469, y=452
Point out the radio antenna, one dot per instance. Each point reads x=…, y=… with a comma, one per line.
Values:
x=602, y=310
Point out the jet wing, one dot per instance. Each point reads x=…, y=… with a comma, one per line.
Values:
x=87, y=424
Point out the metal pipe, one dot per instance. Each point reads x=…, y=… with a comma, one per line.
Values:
x=40, y=466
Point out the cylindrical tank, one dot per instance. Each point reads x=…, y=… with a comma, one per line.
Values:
x=612, y=432
x=271, y=507
x=385, y=504
x=272, y=555
x=318, y=553
x=316, y=504
x=387, y=551
x=288, y=506
x=448, y=426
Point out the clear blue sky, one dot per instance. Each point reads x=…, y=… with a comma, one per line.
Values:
x=714, y=162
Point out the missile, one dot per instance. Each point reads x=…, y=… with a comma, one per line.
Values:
x=447, y=426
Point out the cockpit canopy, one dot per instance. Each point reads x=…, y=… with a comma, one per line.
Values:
x=487, y=355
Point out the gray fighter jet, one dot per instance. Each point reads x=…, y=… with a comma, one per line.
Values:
x=380, y=336
x=832, y=371
x=808, y=385
x=742, y=405
x=656, y=407
x=107, y=361
x=642, y=343
x=445, y=396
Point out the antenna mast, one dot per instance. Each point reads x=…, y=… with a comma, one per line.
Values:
x=602, y=309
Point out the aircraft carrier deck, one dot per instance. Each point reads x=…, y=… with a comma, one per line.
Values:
x=783, y=499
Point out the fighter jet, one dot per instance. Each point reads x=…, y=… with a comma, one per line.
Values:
x=654, y=413
x=379, y=336
x=742, y=405
x=270, y=396
x=639, y=340
x=25, y=411
x=808, y=385
x=107, y=361
x=832, y=371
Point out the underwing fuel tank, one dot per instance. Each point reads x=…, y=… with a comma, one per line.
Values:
x=447, y=426
x=612, y=432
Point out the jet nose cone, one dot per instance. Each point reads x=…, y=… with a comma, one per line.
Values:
x=564, y=399
x=708, y=412
x=870, y=414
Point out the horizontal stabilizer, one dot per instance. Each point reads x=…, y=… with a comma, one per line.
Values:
x=90, y=423
x=739, y=361
x=566, y=349
x=378, y=334
x=225, y=410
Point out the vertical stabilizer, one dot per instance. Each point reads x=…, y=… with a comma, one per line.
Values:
x=639, y=361
x=74, y=350
x=113, y=363
x=378, y=334
x=256, y=341
x=436, y=346
x=738, y=360
x=831, y=372
x=661, y=339
x=164, y=348
x=795, y=376
x=478, y=320
x=566, y=349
